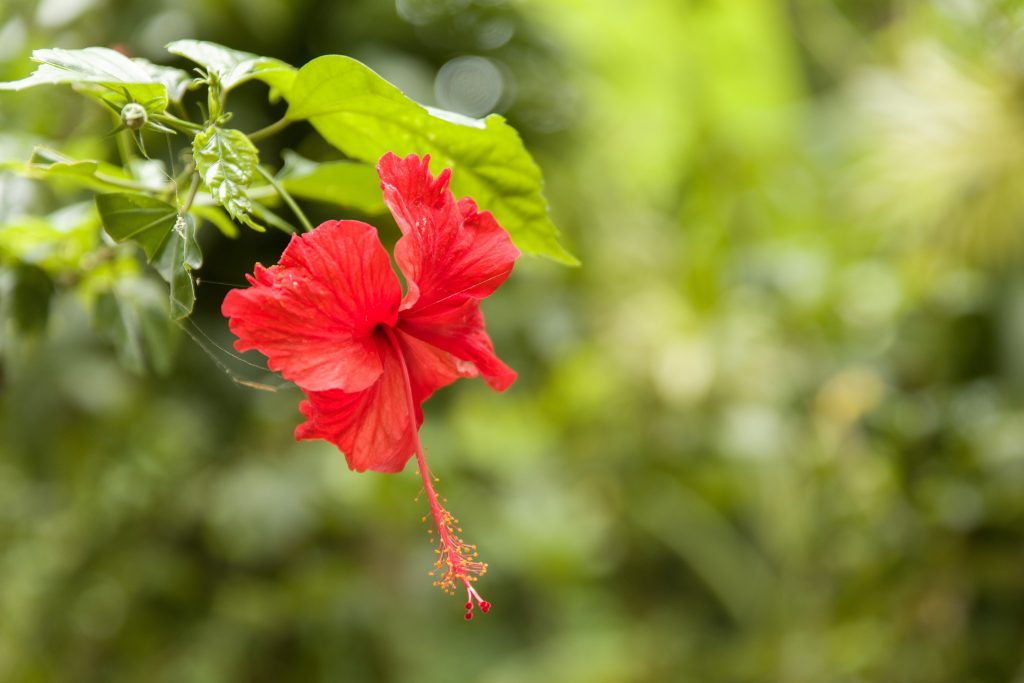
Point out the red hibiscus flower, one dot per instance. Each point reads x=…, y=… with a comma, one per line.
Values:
x=330, y=317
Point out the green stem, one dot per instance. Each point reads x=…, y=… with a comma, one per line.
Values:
x=193, y=188
x=306, y=225
x=174, y=122
x=124, y=148
x=272, y=129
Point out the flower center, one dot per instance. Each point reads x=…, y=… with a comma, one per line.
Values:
x=456, y=560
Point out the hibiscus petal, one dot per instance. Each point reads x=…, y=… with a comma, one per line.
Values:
x=449, y=252
x=372, y=427
x=313, y=315
x=460, y=331
x=430, y=368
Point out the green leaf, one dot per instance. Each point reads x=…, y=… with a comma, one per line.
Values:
x=88, y=65
x=133, y=315
x=181, y=248
x=50, y=161
x=138, y=217
x=227, y=161
x=178, y=256
x=175, y=80
x=57, y=243
x=272, y=219
x=217, y=218
x=364, y=116
x=169, y=241
x=47, y=164
x=234, y=67
x=30, y=298
x=101, y=72
x=351, y=184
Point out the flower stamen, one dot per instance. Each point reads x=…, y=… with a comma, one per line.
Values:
x=456, y=560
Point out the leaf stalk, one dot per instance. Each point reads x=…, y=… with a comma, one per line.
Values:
x=272, y=129
x=306, y=225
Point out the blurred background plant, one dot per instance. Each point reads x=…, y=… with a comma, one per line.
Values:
x=772, y=430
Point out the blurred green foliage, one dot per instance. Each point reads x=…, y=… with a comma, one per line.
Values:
x=772, y=430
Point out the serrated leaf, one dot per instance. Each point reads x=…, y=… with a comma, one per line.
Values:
x=234, y=67
x=227, y=161
x=351, y=184
x=364, y=116
x=101, y=72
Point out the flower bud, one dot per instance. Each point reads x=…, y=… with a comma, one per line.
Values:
x=134, y=116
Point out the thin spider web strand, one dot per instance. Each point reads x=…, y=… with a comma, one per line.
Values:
x=232, y=375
